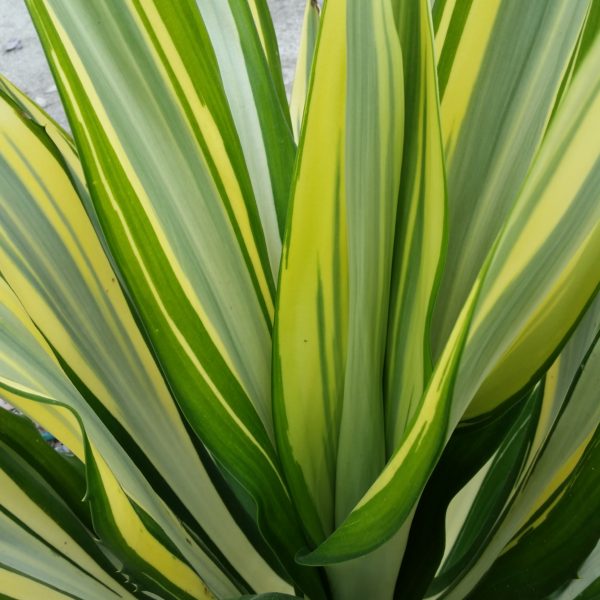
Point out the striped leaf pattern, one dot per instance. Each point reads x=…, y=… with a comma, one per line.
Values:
x=295, y=348
x=558, y=465
x=421, y=228
x=47, y=542
x=310, y=340
x=500, y=65
x=529, y=261
x=306, y=52
x=170, y=198
x=110, y=366
x=31, y=379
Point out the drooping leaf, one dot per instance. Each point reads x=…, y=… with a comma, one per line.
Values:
x=69, y=290
x=173, y=193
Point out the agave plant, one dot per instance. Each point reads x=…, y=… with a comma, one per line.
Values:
x=347, y=349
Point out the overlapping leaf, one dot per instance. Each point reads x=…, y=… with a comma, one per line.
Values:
x=551, y=236
x=500, y=65
x=67, y=286
x=136, y=322
x=557, y=469
x=308, y=41
x=173, y=193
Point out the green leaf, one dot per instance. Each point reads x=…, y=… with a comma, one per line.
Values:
x=69, y=290
x=552, y=237
x=421, y=227
x=473, y=512
x=32, y=380
x=550, y=553
x=173, y=193
x=312, y=304
x=467, y=452
x=517, y=317
x=500, y=66
x=244, y=41
x=563, y=437
x=47, y=539
x=587, y=36
x=334, y=283
x=306, y=52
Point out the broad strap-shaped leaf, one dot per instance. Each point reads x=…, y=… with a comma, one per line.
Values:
x=473, y=512
x=308, y=41
x=69, y=290
x=469, y=449
x=521, y=302
x=173, y=195
x=500, y=65
x=476, y=479
x=44, y=539
x=30, y=568
x=245, y=46
x=36, y=520
x=61, y=139
x=333, y=297
x=63, y=147
x=563, y=533
x=421, y=227
x=310, y=334
x=149, y=558
x=333, y=294
x=560, y=460
x=547, y=266
x=47, y=541
x=389, y=502
x=32, y=115
x=374, y=124
x=587, y=36
x=32, y=380
x=20, y=587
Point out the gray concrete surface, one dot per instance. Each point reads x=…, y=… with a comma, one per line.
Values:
x=22, y=59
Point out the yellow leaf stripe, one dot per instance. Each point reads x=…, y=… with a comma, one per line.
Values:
x=551, y=238
x=421, y=228
x=496, y=100
x=172, y=232
x=309, y=344
x=135, y=535
x=32, y=380
x=308, y=41
x=566, y=430
x=21, y=587
x=69, y=289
